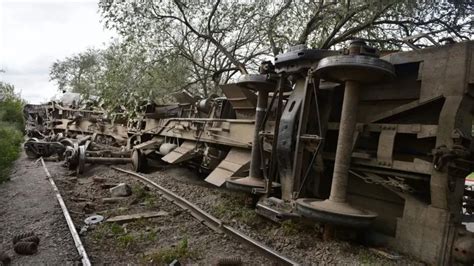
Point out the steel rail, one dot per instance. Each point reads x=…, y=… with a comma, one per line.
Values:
x=211, y=221
x=70, y=224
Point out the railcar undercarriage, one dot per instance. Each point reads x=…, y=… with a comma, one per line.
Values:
x=346, y=139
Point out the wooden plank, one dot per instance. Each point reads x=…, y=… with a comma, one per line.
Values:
x=129, y=217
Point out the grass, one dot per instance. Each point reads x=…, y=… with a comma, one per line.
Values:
x=11, y=135
x=291, y=227
x=126, y=241
x=123, y=239
x=167, y=255
x=111, y=231
x=233, y=207
x=141, y=194
x=366, y=257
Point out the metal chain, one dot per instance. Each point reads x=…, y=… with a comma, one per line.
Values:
x=396, y=182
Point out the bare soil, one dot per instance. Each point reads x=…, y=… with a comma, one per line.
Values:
x=27, y=203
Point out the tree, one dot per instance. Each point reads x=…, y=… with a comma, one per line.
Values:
x=7, y=91
x=11, y=127
x=326, y=24
x=120, y=75
x=78, y=72
x=216, y=39
x=236, y=35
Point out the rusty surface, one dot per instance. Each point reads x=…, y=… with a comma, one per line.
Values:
x=341, y=133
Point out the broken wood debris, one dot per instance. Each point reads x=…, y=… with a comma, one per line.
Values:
x=129, y=217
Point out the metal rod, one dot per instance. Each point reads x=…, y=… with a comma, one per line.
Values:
x=255, y=162
x=107, y=160
x=344, y=142
x=274, y=157
x=70, y=223
x=211, y=221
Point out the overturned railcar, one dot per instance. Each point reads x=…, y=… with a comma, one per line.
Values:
x=346, y=139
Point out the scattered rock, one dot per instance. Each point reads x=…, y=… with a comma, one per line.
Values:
x=121, y=190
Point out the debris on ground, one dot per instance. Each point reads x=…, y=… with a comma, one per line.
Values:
x=130, y=217
x=121, y=190
x=17, y=238
x=386, y=253
x=25, y=248
x=26, y=243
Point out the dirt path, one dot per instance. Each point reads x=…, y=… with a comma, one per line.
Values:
x=27, y=203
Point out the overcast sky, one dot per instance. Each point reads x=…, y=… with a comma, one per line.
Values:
x=35, y=33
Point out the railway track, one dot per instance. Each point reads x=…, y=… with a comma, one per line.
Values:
x=211, y=221
x=203, y=217
x=70, y=224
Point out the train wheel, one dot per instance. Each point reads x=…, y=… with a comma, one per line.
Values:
x=82, y=160
x=138, y=161
x=29, y=150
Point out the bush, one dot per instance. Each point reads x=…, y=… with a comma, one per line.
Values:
x=11, y=134
x=10, y=141
x=11, y=112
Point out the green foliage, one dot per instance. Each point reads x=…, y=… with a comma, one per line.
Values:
x=367, y=257
x=293, y=227
x=116, y=236
x=289, y=227
x=11, y=113
x=105, y=232
x=120, y=75
x=216, y=39
x=10, y=140
x=142, y=195
x=11, y=128
x=77, y=73
x=126, y=241
x=233, y=207
x=116, y=229
x=167, y=255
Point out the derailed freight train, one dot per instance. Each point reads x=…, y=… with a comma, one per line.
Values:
x=342, y=138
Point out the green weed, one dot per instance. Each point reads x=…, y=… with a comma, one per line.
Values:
x=234, y=208
x=167, y=255
x=126, y=241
